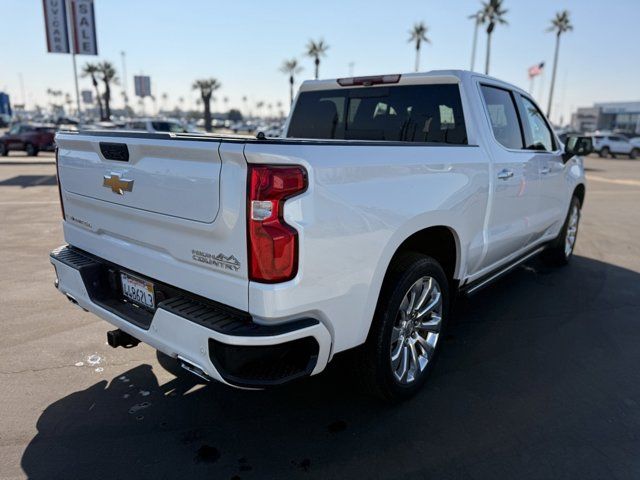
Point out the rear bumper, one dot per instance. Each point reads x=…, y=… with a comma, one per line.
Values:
x=222, y=342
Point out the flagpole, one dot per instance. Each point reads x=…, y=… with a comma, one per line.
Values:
x=72, y=48
x=531, y=78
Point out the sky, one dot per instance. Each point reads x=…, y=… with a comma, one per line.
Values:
x=243, y=44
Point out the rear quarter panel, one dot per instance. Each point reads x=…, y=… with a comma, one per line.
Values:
x=363, y=201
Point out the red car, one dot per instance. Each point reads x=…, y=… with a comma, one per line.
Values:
x=28, y=138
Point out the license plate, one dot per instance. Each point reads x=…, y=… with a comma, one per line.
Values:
x=138, y=290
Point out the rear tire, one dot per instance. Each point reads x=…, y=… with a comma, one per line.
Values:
x=4, y=151
x=31, y=150
x=604, y=152
x=407, y=329
x=635, y=153
x=559, y=253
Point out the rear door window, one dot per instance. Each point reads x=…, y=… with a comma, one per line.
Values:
x=503, y=116
x=412, y=113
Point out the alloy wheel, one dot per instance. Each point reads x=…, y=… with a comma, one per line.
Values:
x=416, y=330
x=572, y=231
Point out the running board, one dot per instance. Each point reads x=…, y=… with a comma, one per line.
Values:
x=479, y=284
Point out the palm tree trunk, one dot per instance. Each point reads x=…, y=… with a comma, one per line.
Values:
x=487, y=59
x=107, y=99
x=98, y=99
x=317, y=62
x=553, y=75
x=417, y=55
x=206, y=101
x=291, y=90
x=473, y=48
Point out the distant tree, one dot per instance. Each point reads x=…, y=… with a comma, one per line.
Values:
x=91, y=70
x=109, y=76
x=206, y=87
x=560, y=24
x=316, y=50
x=234, y=115
x=492, y=14
x=418, y=34
x=291, y=68
x=478, y=19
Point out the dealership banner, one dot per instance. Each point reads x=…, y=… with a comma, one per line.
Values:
x=84, y=27
x=55, y=24
x=142, y=84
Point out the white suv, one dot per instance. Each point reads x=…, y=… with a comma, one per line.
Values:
x=612, y=144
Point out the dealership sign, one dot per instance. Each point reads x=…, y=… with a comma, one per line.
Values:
x=81, y=22
x=55, y=23
x=87, y=96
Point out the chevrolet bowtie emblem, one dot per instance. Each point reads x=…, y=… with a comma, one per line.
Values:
x=116, y=184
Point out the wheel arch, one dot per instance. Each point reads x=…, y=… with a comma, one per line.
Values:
x=439, y=241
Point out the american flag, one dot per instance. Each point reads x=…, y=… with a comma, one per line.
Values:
x=536, y=70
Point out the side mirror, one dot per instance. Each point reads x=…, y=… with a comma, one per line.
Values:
x=577, y=146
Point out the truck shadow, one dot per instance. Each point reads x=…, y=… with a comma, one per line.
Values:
x=538, y=378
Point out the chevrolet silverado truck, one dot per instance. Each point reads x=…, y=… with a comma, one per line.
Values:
x=254, y=261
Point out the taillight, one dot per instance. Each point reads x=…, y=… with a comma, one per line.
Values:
x=273, y=244
x=59, y=186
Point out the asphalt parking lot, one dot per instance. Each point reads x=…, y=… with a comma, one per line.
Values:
x=539, y=378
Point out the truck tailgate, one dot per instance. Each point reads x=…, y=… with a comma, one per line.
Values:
x=163, y=211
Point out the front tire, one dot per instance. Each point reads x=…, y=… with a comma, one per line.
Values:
x=407, y=329
x=560, y=251
x=635, y=153
x=4, y=151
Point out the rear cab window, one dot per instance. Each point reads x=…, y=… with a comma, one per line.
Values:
x=402, y=113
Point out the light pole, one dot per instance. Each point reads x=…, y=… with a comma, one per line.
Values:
x=124, y=79
x=72, y=35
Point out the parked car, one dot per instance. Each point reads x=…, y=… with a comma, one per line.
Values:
x=243, y=127
x=153, y=126
x=635, y=141
x=272, y=131
x=255, y=261
x=30, y=138
x=614, y=144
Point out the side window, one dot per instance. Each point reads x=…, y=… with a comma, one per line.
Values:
x=538, y=136
x=503, y=115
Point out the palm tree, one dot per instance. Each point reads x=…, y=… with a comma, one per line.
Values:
x=316, y=50
x=91, y=70
x=108, y=72
x=291, y=68
x=206, y=86
x=478, y=18
x=418, y=34
x=492, y=14
x=560, y=24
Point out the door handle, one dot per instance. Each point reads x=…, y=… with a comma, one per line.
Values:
x=505, y=174
x=544, y=170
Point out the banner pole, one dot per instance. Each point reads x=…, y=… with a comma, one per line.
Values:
x=72, y=47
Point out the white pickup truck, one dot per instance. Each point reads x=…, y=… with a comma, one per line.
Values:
x=255, y=261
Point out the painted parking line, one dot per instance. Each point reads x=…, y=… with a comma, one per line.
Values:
x=616, y=181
